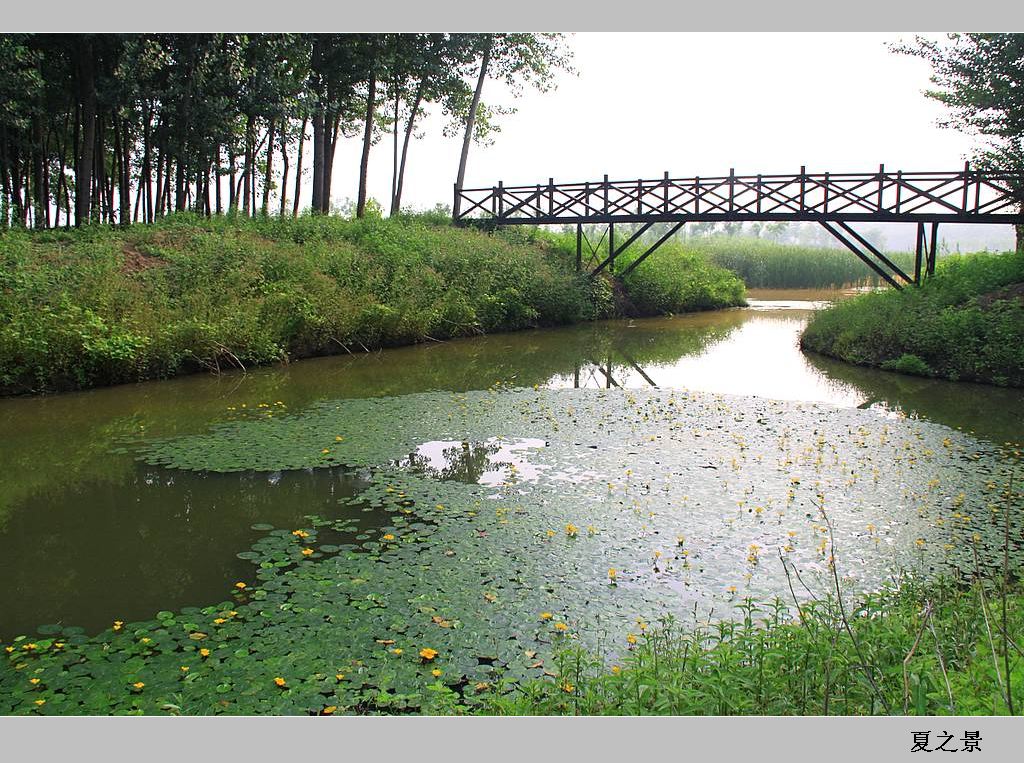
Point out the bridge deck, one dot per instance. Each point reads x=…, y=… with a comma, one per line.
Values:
x=965, y=196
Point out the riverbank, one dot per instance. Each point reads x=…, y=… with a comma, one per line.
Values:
x=935, y=649
x=966, y=323
x=99, y=306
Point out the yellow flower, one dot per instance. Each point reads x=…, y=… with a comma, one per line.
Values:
x=300, y=533
x=307, y=552
x=329, y=710
x=280, y=682
x=339, y=438
x=40, y=702
x=571, y=530
x=396, y=651
x=118, y=625
x=145, y=640
x=30, y=647
x=731, y=589
x=611, y=573
x=184, y=668
x=616, y=669
x=240, y=586
x=204, y=652
x=138, y=685
x=630, y=638
x=568, y=688
x=33, y=681
x=545, y=615
x=339, y=676
x=388, y=536
x=325, y=451
x=428, y=654
x=551, y=533
x=561, y=627
x=219, y=620
x=8, y=649
x=436, y=673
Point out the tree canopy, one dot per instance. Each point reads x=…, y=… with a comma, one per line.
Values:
x=119, y=128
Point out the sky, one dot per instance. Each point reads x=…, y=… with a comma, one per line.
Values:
x=691, y=104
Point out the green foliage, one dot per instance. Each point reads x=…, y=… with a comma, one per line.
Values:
x=96, y=306
x=765, y=661
x=966, y=323
x=908, y=364
x=673, y=280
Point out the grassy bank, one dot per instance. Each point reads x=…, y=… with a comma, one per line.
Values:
x=100, y=306
x=966, y=323
x=936, y=649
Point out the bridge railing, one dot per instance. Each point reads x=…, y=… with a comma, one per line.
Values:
x=962, y=196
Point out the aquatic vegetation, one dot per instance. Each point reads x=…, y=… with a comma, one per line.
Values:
x=476, y=575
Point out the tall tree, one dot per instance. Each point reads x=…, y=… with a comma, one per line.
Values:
x=515, y=59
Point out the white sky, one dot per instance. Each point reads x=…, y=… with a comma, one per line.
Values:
x=691, y=103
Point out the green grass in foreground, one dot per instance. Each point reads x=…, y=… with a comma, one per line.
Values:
x=100, y=306
x=966, y=323
x=932, y=649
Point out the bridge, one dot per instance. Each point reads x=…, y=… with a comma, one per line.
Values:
x=834, y=200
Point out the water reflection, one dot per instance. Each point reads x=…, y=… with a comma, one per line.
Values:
x=158, y=540
x=496, y=461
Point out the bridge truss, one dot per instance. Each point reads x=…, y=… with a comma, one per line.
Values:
x=834, y=200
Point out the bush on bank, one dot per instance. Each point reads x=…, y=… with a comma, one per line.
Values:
x=966, y=323
x=100, y=306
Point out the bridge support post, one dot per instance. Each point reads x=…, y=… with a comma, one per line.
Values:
x=925, y=251
x=579, y=247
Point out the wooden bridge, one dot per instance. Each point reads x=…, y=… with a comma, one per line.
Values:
x=834, y=200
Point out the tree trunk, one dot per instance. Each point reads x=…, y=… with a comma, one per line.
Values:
x=318, y=161
x=233, y=170
x=470, y=123
x=247, y=167
x=330, y=144
x=298, y=169
x=38, y=202
x=364, y=162
x=87, y=105
x=284, y=172
x=394, y=152
x=216, y=175
x=125, y=181
x=1019, y=230
x=396, y=204
x=265, y=208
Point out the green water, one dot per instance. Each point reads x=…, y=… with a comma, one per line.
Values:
x=89, y=535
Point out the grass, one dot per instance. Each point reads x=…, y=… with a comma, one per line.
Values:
x=934, y=649
x=966, y=323
x=768, y=265
x=99, y=306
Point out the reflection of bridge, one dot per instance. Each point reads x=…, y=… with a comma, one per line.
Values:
x=603, y=374
x=832, y=199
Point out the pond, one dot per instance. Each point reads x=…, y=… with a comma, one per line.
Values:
x=477, y=494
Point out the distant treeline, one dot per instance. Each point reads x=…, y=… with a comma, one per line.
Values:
x=119, y=128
